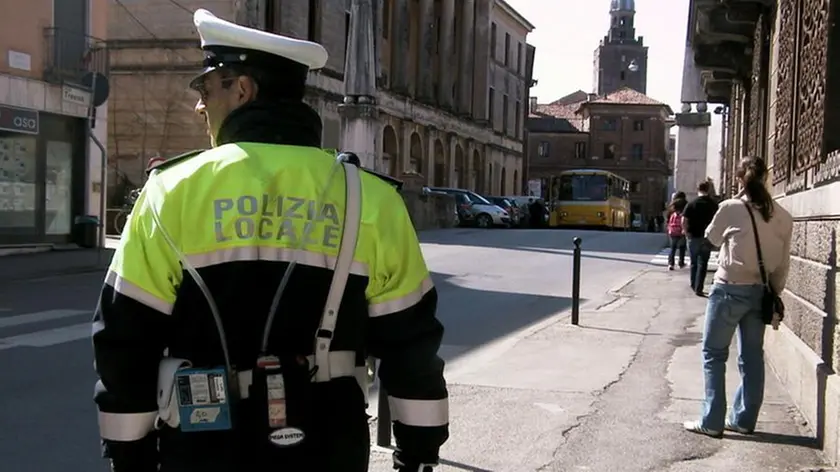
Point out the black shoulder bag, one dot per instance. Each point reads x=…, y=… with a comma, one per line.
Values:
x=771, y=303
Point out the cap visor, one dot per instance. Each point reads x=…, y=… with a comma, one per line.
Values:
x=197, y=79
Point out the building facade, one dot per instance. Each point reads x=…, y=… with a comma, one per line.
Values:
x=437, y=63
x=50, y=170
x=508, y=91
x=774, y=71
x=621, y=59
x=625, y=132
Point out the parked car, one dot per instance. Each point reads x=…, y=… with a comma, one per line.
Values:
x=509, y=206
x=475, y=210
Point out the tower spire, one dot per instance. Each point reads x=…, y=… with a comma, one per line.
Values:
x=623, y=5
x=622, y=13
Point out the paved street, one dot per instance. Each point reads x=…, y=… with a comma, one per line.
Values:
x=528, y=391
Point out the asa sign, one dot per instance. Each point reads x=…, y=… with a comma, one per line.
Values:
x=19, y=120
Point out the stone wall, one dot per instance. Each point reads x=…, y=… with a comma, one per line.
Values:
x=427, y=211
x=810, y=288
x=782, y=116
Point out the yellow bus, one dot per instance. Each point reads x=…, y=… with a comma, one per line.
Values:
x=589, y=198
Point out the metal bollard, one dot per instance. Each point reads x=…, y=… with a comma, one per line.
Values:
x=383, y=418
x=576, y=282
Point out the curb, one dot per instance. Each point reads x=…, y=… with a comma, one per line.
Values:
x=47, y=274
x=618, y=288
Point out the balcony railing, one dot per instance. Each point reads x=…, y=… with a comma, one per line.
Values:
x=70, y=55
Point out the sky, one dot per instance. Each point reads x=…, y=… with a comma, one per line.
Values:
x=566, y=33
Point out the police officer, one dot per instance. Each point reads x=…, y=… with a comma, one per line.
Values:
x=252, y=281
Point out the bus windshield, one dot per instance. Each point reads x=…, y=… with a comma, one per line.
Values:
x=583, y=187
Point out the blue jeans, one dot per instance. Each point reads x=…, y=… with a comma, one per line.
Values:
x=731, y=307
x=677, y=242
x=699, y=252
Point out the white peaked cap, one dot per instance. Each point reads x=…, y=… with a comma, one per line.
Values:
x=216, y=32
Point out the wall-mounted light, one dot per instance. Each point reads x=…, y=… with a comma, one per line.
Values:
x=633, y=67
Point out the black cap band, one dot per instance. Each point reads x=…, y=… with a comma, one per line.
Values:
x=280, y=71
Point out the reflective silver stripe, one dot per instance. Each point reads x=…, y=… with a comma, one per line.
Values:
x=419, y=412
x=126, y=426
x=279, y=254
x=399, y=304
x=342, y=364
x=341, y=271
x=124, y=287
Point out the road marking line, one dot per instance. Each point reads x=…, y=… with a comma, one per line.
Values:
x=39, y=316
x=48, y=337
x=550, y=407
x=661, y=259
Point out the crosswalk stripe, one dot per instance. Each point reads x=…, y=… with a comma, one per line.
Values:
x=49, y=337
x=36, y=317
x=661, y=259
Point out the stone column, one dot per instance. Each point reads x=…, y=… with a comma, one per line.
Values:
x=430, y=155
x=426, y=52
x=359, y=112
x=465, y=63
x=378, y=21
x=482, y=59
x=449, y=145
x=405, y=157
x=693, y=133
x=400, y=41
x=447, y=55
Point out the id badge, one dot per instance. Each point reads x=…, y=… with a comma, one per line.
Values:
x=275, y=391
x=203, y=399
x=280, y=433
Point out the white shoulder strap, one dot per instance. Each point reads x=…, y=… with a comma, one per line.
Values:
x=341, y=271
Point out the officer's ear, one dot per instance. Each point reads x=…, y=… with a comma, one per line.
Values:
x=246, y=88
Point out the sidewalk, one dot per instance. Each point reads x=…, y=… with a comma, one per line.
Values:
x=609, y=395
x=19, y=267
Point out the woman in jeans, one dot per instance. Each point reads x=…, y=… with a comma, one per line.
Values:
x=735, y=299
x=675, y=231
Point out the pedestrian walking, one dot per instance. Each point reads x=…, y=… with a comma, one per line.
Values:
x=250, y=286
x=754, y=235
x=676, y=236
x=696, y=218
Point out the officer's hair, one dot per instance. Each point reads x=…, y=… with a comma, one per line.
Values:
x=271, y=87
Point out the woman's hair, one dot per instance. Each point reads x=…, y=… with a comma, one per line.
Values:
x=678, y=203
x=753, y=172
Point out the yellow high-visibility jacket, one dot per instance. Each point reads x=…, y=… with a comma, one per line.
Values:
x=239, y=214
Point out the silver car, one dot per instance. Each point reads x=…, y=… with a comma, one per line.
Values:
x=475, y=210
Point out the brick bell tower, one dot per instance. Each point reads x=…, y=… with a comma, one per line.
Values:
x=620, y=60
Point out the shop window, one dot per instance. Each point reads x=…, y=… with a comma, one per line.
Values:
x=18, y=194
x=59, y=180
